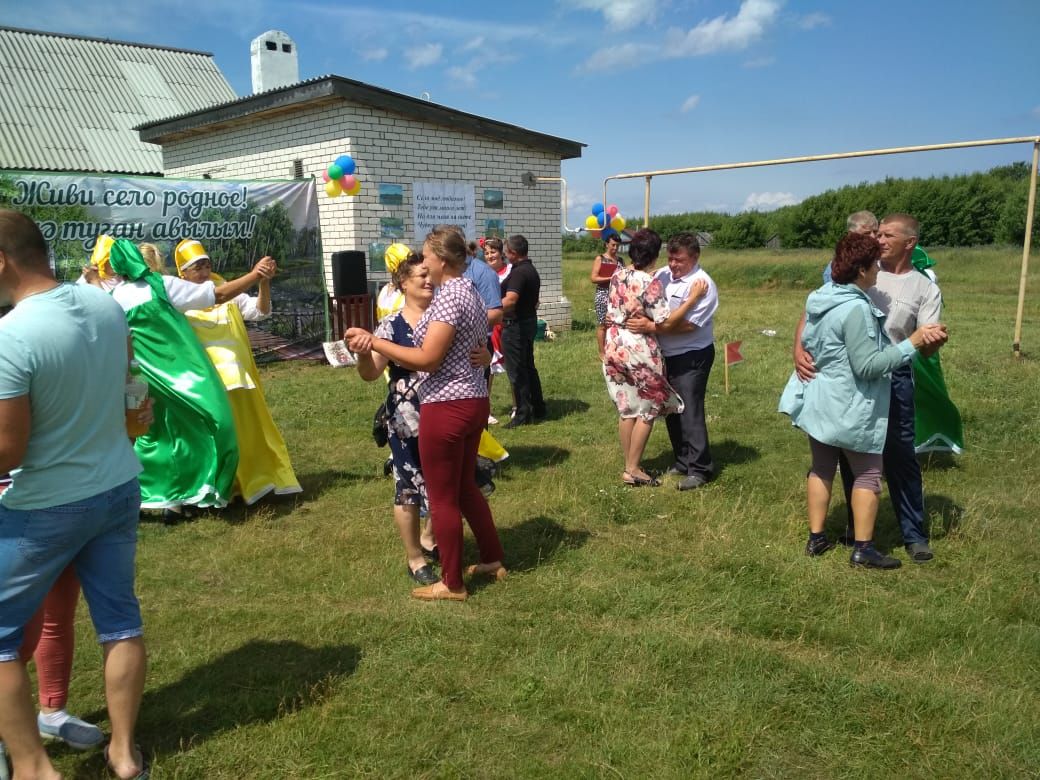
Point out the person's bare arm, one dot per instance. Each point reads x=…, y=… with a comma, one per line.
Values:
x=494, y=316
x=265, y=268
x=15, y=416
x=509, y=303
x=803, y=361
x=676, y=321
x=427, y=358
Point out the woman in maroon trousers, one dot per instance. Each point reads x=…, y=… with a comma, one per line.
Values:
x=453, y=409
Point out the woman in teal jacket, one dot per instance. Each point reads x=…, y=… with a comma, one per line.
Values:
x=844, y=408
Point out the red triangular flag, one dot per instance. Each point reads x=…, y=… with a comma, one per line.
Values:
x=733, y=355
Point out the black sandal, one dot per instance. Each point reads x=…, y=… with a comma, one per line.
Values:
x=635, y=481
x=433, y=555
x=424, y=575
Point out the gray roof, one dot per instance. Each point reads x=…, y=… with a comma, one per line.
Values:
x=330, y=88
x=71, y=103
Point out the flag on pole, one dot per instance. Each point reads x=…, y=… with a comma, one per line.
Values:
x=733, y=355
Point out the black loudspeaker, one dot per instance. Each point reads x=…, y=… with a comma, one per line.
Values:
x=348, y=274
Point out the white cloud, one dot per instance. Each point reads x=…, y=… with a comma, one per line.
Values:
x=619, y=14
x=374, y=55
x=475, y=43
x=767, y=201
x=690, y=103
x=424, y=56
x=710, y=36
x=759, y=62
x=1036, y=112
x=814, y=20
x=464, y=75
x=724, y=33
x=610, y=56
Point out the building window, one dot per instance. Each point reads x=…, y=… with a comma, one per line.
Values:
x=297, y=169
x=287, y=48
x=271, y=46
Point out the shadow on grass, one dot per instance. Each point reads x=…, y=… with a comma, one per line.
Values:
x=529, y=544
x=271, y=505
x=558, y=408
x=939, y=461
x=258, y=682
x=943, y=513
x=725, y=453
x=534, y=457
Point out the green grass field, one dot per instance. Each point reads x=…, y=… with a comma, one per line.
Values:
x=641, y=633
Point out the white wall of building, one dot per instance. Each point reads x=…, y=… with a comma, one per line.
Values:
x=391, y=149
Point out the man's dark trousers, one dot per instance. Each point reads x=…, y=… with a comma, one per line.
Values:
x=688, y=430
x=902, y=469
x=518, y=353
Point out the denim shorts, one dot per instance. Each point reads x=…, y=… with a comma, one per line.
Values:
x=98, y=535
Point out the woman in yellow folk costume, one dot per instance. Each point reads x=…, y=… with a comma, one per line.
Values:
x=263, y=462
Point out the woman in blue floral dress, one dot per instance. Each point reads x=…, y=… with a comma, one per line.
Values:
x=412, y=279
x=632, y=363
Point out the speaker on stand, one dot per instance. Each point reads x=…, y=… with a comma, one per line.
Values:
x=351, y=303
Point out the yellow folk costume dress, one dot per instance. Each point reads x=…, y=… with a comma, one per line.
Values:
x=263, y=461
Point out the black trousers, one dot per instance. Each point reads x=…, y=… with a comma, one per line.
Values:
x=688, y=431
x=518, y=354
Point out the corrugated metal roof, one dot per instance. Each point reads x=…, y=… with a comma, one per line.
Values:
x=70, y=103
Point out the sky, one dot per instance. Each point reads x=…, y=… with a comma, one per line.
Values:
x=653, y=84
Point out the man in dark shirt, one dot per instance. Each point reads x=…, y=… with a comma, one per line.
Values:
x=520, y=293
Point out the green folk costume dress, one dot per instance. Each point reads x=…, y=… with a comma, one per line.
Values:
x=190, y=453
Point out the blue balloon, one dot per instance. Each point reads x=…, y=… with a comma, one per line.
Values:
x=604, y=219
x=346, y=164
x=597, y=209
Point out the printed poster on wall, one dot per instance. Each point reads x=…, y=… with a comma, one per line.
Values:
x=443, y=203
x=237, y=221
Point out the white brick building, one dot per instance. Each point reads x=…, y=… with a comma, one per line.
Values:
x=297, y=131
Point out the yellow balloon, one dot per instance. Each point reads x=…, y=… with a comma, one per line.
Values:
x=618, y=223
x=355, y=189
x=332, y=188
x=591, y=222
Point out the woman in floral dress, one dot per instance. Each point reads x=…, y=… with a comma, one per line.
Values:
x=632, y=363
x=410, y=279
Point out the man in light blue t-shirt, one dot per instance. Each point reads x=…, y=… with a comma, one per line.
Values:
x=74, y=497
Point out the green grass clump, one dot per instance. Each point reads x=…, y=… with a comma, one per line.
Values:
x=641, y=633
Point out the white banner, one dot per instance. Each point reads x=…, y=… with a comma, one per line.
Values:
x=443, y=203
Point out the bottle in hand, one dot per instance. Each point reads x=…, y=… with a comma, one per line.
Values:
x=136, y=395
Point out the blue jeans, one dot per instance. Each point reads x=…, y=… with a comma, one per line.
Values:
x=98, y=535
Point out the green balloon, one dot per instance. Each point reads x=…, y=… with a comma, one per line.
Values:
x=335, y=172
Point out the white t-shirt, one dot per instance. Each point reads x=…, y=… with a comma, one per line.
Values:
x=908, y=301
x=183, y=295
x=702, y=314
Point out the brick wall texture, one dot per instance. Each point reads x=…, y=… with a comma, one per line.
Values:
x=388, y=148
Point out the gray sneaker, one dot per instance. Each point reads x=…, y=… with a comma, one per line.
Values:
x=691, y=482
x=75, y=733
x=919, y=552
x=5, y=771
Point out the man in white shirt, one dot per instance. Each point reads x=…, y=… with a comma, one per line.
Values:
x=689, y=352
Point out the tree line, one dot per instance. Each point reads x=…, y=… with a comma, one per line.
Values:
x=973, y=209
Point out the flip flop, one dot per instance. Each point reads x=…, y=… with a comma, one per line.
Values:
x=634, y=481
x=145, y=772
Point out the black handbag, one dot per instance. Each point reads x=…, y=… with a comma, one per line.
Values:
x=379, y=423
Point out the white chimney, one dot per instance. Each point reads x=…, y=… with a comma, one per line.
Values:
x=273, y=55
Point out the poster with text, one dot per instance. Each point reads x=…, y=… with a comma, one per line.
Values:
x=443, y=203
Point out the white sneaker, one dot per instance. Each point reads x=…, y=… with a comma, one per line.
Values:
x=492, y=420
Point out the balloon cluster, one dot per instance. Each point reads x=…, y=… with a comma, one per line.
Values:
x=604, y=221
x=340, y=178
